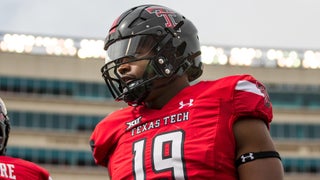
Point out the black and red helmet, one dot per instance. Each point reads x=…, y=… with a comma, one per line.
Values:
x=4, y=127
x=153, y=32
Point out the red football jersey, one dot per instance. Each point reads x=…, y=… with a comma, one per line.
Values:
x=18, y=169
x=191, y=137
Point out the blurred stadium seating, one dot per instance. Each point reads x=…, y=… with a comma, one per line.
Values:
x=56, y=95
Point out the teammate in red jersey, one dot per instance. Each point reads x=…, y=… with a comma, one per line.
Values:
x=12, y=168
x=172, y=129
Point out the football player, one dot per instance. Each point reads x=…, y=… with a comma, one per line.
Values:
x=173, y=129
x=15, y=168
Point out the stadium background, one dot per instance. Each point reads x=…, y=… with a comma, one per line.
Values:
x=55, y=95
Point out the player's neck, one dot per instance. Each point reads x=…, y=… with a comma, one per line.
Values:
x=161, y=96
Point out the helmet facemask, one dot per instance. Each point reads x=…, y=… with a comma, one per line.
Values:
x=133, y=92
x=128, y=50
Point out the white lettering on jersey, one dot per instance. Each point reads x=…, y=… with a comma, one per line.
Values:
x=7, y=171
x=166, y=120
x=248, y=86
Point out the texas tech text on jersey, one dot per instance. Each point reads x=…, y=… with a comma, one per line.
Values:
x=170, y=119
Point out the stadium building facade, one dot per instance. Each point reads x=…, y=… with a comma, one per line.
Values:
x=55, y=101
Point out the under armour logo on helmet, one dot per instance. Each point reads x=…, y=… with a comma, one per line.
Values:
x=167, y=15
x=182, y=104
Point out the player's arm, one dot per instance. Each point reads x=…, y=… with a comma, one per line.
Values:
x=252, y=136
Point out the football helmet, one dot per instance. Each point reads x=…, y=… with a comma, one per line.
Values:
x=4, y=127
x=150, y=32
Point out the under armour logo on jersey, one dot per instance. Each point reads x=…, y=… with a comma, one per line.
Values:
x=134, y=122
x=182, y=104
x=246, y=158
x=167, y=15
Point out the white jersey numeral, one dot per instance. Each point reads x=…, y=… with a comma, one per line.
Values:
x=166, y=155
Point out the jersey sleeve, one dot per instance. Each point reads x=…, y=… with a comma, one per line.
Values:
x=251, y=99
x=38, y=170
x=45, y=173
x=103, y=139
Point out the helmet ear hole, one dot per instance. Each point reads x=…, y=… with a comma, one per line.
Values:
x=180, y=49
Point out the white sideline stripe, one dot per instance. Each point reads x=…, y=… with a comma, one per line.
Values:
x=248, y=86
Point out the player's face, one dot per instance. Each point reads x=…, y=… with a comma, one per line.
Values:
x=132, y=70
